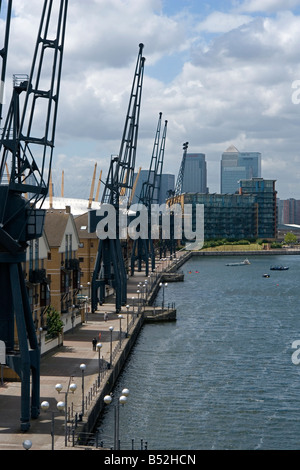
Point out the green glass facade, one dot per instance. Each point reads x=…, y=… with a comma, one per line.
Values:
x=249, y=214
x=265, y=195
x=226, y=215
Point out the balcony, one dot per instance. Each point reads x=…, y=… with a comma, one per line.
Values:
x=37, y=276
x=72, y=264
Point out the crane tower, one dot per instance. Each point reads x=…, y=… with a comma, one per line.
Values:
x=26, y=149
x=143, y=249
x=110, y=266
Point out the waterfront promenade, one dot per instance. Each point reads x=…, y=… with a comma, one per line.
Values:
x=58, y=366
x=62, y=366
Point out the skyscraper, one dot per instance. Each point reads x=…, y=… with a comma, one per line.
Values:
x=167, y=184
x=236, y=166
x=195, y=174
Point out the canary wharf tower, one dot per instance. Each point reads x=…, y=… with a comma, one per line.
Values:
x=236, y=166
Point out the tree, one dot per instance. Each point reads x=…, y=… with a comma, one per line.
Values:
x=54, y=323
x=290, y=238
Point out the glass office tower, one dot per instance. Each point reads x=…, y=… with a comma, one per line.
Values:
x=236, y=166
x=167, y=184
x=195, y=174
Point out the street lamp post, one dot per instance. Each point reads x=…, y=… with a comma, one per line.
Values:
x=45, y=407
x=145, y=294
x=99, y=346
x=163, y=286
x=122, y=400
x=72, y=387
x=138, y=293
x=82, y=368
x=120, y=318
x=127, y=307
x=111, y=328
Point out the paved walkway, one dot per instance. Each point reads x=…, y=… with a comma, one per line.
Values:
x=58, y=367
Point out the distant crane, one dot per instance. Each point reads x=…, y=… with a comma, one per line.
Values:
x=143, y=248
x=110, y=266
x=180, y=177
x=170, y=243
x=92, y=187
x=98, y=187
x=26, y=146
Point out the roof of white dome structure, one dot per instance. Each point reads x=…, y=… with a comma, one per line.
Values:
x=78, y=206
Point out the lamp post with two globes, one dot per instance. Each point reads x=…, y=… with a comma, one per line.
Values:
x=122, y=400
x=45, y=407
x=161, y=284
x=72, y=387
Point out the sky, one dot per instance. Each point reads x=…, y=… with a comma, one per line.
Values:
x=222, y=73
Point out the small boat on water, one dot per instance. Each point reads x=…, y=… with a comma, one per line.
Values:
x=279, y=268
x=266, y=275
x=241, y=263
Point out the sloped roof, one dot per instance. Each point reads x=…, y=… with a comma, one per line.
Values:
x=55, y=226
x=81, y=223
x=232, y=149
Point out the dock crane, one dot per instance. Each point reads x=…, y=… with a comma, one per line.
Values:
x=110, y=265
x=180, y=177
x=170, y=244
x=4, y=51
x=143, y=248
x=27, y=149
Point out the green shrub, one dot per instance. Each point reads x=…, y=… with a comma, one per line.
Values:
x=54, y=323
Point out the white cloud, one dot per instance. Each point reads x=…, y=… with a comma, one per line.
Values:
x=270, y=6
x=219, y=22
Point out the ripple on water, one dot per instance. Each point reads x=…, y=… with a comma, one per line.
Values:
x=221, y=377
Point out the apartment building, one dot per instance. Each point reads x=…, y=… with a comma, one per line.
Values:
x=36, y=279
x=87, y=252
x=63, y=269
